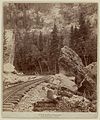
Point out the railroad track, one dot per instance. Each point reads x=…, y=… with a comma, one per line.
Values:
x=13, y=95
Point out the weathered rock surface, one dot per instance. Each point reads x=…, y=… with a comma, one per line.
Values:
x=89, y=83
x=71, y=64
x=60, y=80
x=92, y=70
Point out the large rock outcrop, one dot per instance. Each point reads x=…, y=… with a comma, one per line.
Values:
x=71, y=64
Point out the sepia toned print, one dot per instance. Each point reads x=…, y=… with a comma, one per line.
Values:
x=50, y=57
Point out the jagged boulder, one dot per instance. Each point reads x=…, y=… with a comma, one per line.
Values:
x=71, y=64
x=92, y=70
x=89, y=83
x=85, y=77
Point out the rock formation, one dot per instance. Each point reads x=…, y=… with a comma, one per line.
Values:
x=71, y=64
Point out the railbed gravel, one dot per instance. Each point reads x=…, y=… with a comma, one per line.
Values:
x=32, y=96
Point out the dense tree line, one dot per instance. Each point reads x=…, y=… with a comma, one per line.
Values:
x=81, y=41
x=34, y=55
x=36, y=52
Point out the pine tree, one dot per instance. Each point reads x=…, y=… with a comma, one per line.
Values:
x=71, y=37
x=83, y=32
x=54, y=50
x=37, y=19
x=83, y=27
x=89, y=44
x=61, y=41
x=80, y=39
x=83, y=39
x=74, y=39
x=40, y=44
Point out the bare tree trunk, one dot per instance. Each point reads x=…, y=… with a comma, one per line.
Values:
x=48, y=65
x=55, y=67
x=40, y=66
x=35, y=70
x=48, y=68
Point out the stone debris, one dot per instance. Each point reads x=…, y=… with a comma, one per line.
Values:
x=78, y=104
x=76, y=98
x=61, y=80
x=44, y=92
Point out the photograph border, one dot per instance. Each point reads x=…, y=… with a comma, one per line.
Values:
x=49, y=115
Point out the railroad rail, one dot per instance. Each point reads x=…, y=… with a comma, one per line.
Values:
x=13, y=95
